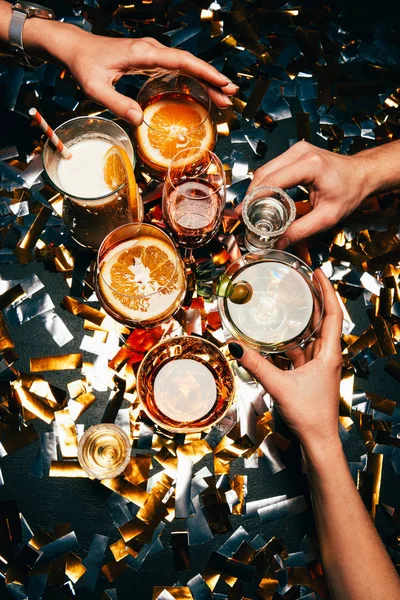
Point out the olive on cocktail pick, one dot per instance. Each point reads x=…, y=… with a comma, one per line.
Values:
x=241, y=293
x=238, y=293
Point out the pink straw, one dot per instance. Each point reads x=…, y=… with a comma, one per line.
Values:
x=50, y=133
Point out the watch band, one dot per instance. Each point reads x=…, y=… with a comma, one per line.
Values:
x=20, y=12
x=16, y=27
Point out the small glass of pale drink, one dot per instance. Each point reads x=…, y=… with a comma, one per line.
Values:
x=96, y=199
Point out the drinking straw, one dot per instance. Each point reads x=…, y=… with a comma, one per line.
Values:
x=50, y=133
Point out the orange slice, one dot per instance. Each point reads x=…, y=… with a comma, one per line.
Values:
x=118, y=169
x=173, y=125
x=140, y=274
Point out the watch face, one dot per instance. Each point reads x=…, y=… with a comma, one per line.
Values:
x=27, y=7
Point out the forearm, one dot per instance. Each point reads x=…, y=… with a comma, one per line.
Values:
x=44, y=39
x=355, y=561
x=379, y=168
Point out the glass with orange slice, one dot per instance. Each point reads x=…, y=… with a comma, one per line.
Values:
x=98, y=183
x=140, y=277
x=177, y=114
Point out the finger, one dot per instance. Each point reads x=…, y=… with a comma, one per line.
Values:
x=313, y=222
x=284, y=159
x=121, y=105
x=219, y=99
x=297, y=357
x=331, y=327
x=170, y=58
x=270, y=377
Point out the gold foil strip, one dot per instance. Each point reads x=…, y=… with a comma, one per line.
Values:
x=393, y=368
x=63, y=259
x=86, y=400
x=66, y=433
x=381, y=404
x=179, y=593
x=5, y=338
x=167, y=460
x=195, y=450
x=34, y=404
x=23, y=250
x=239, y=484
x=56, y=363
x=66, y=468
x=82, y=310
x=113, y=569
x=267, y=588
x=11, y=295
x=119, y=550
x=76, y=388
x=124, y=488
x=14, y=438
x=383, y=336
x=74, y=568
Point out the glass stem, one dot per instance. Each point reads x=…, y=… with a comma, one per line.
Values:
x=188, y=258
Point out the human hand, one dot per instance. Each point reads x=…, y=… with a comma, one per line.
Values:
x=307, y=397
x=98, y=62
x=337, y=185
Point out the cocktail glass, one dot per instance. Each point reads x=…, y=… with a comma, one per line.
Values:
x=177, y=115
x=271, y=301
x=90, y=209
x=140, y=277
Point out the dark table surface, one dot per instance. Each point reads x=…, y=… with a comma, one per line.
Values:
x=83, y=503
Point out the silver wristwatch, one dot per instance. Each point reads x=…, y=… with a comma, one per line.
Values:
x=20, y=12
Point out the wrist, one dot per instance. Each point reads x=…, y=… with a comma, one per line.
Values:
x=318, y=455
x=51, y=40
x=365, y=173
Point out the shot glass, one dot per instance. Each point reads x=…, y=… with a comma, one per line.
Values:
x=104, y=451
x=267, y=213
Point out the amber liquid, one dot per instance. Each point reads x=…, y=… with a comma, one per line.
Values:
x=185, y=384
x=191, y=125
x=192, y=212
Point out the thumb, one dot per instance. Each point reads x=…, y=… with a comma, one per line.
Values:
x=270, y=377
x=313, y=222
x=121, y=105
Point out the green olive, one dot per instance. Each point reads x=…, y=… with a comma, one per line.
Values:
x=242, y=292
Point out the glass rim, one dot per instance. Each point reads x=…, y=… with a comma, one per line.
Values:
x=100, y=257
x=263, y=257
x=160, y=74
x=92, y=198
x=116, y=470
x=155, y=419
x=270, y=234
x=209, y=152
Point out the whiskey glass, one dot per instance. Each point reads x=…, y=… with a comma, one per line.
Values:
x=194, y=196
x=90, y=218
x=177, y=114
x=140, y=278
x=185, y=384
x=271, y=301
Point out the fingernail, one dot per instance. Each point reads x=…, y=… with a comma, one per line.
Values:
x=134, y=116
x=228, y=101
x=235, y=87
x=282, y=243
x=226, y=79
x=236, y=350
